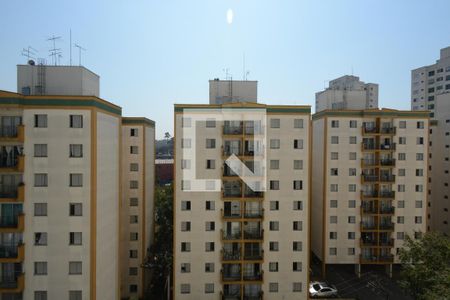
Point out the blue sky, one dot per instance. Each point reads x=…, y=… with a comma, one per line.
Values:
x=152, y=54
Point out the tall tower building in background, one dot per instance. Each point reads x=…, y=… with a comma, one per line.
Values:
x=239, y=234
x=430, y=90
x=347, y=92
x=369, y=184
x=60, y=189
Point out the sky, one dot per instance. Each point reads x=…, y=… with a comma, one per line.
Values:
x=151, y=54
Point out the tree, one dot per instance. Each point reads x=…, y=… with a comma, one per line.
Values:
x=426, y=266
x=160, y=256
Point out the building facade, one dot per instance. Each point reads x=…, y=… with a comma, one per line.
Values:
x=369, y=184
x=347, y=92
x=241, y=235
x=137, y=205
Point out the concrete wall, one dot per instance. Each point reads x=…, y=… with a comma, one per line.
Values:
x=224, y=91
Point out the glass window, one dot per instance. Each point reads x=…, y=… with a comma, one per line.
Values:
x=40, y=179
x=274, y=123
x=40, y=268
x=40, y=121
x=75, y=238
x=40, y=209
x=40, y=150
x=76, y=180
x=75, y=150
x=76, y=121
x=298, y=123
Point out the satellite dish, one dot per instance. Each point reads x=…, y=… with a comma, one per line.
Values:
x=31, y=62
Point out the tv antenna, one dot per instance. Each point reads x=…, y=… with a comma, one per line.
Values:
x=54, y=52
x=29, y=53
x=79, y=53
x=228, y=76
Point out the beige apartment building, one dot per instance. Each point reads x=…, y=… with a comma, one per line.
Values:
x=60, y=191
x=137, y=205
x=369, y=184
x=241, y=237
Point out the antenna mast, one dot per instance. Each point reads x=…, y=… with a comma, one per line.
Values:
x=54, y=52
x=79, y=52
x=29, y=53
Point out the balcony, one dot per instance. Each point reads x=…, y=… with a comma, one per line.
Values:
x=253, y=254
x=232, y=193
x=232, y=129
x=252, y=194
x=368, y=226
x=12, y=133
x=12, y=223
x=387, y=162
x=230, y=276
x=378, y=130
x=15, y=165
x=377, y=194
x=228, y=152
x=231, y=235
x=254, y=295
x=376, y=259
x=253, y=276
x=12, y=253
x=12, y=193
x=368, y=209
x=387, y=210
x=13, y=283
x=387, y=178
x=231, y=255
x=253, y=234
x=231, y=295
x=377, y=147
x=386, y=227
x=231, y=213
x=369, y=178
x=371, y=243
x=254, y=213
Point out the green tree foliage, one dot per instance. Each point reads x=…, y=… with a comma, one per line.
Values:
x=161, y=254
x=426, y=266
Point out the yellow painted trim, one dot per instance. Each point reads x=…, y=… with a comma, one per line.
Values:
x=93, y=212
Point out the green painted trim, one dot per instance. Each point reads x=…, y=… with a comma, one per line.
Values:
x=304, y=110
x=138, y=121
x=370, y=113
x=60, y=102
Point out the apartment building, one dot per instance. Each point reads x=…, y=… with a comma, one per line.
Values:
x=347, y=92
x=241, y=231
x=60, y=190
x=369, y=184
x=429, y=81
x=137, y=205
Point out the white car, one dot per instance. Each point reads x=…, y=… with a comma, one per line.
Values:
x=322, y=289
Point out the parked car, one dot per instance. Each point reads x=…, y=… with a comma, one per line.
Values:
x=322, y=289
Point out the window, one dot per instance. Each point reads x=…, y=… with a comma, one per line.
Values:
x=274, y=123
x=420, y=125
x=274, y=144
x=333, y=235
x=76, y=150
x=297, y=266
x=401, y=220
x=186, y=143
x=352, y=140
x=417, y=235
x=40, y=238
x=419, y=172
x=335, y=140
x=401, y=188
x=419, y=140
x=40, y=150
x=76, y=121
x=352, y=187
x=402, y=156
x=333, y=204
x=402, y=124
x=209, y=246
x=133, y=253
x=334, y=172
x=418, y=220
x=185, y=122
x=273, y=246
x=334, y=156
x=273, y=266
x=209, y=288
x=209, y=267
x=352, y=156
x=297, y=246
x=76, y=180
x=418, y=204
x=210, y=143
x=402, y=140
x=210, y=226
x=274, y=164
x=419, y=156
x=298, y=205
x=297, y=225
x=185, y=205
x=185, y=247
x=351, y=251
x=351, y=235
x=333, y=251
x=351, y=203
x=134, y=150
x=419, y=188
x=334, y=124
x=185, y=288
x=273, y=287
x=209, y=205
x=333, y=187
x=134, y=184
x=133, y=288
x=133, y=271
x=298, y=184
x=133, y=132
x=75, y=209
x=185, y=164
x=274, y=226
x=296, y=286
x=298, y=164
x=40, y=209
x=133, y=219
x=134, y=236
x=75, y=238
x=351, y=219
x=298, y=123
x=210, y=123
x=274, y=205
x=185, y=226
x=134, y=167
x=333, y=219
x=298, y=144
x=400, y=235
x=40, y=268
x=274, y=185
x=40, y=180
x=185, y=268
x=40, y=121
x=401, y=204
x=210, y=164
x=401, y=172
x=40, y=295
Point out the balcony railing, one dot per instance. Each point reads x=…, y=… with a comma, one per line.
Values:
x=368, y=226
x=253, y=194
x=231, y=213
x=9, y=221
x=254, y=213
x=375, y=243
x=373, y=146
x=12, y=281
x=376, y=258
x=387, y=178
x=254, y=296
x=9, y=250
x=230, y=152
x=370, y=178
x=378, y=194
x=231, y=255
x=254, y=255
x=231, y=295
x=386, y=226
x=231, y=276
x=232, y=129
x=231, y=235
x=230, y=193
x=253, y=235
x=378, y=130
x=390, y=210
x=253, y=276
